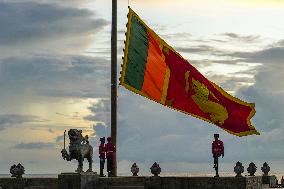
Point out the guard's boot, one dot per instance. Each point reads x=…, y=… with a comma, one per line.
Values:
x=102, y=172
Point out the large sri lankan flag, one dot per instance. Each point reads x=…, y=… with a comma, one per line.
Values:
x=155, y=70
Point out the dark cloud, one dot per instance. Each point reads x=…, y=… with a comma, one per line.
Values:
x=45, y=26
x=100, y=112
x=279, y=44
x=268, y=106
x=177, y=36
x=57, y=77
x=217, y=40
x=34, y=145
x=230, y=82
x=271, y=54
x=201, y=47
x=268, y=55
x=247, y=39
x=22, y=22
x=197, y=49
x=206, y=50
x=101, y=130
x=7, y=120
x=102, y=106
x=103, y=117
x=267, y=93
x=227, y=61
x=76, y=93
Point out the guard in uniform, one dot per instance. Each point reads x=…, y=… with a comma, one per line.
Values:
x=217, y=151
x=110, y=155
x=102, y=156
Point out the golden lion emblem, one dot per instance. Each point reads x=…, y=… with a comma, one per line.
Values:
x=218, y=113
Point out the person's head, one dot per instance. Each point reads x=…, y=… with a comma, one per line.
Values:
x=103, y=139
x=216, y=136
x=109, y=139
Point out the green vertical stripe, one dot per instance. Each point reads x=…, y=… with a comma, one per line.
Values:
x=137, y=55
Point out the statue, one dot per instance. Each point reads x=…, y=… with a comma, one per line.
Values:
x=79, y=149
x=102, y=156
x=251, y=169
x=110, y=155
x=217, y=151
x=17, y=170
x=239, y=169
x=155, y=169
x=134, y=170
x=265, y=169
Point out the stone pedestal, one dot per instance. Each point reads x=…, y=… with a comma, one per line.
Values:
x=265, y=179
x=77, y=180
x=153, y=182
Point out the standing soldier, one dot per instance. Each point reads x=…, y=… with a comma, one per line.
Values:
x=110, y=155
x=102, y=152
x=217, y=151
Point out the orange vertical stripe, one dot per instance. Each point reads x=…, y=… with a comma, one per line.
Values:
x=155, y=70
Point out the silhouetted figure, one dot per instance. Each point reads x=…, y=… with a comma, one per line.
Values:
x=217, y=151
x=102, y=156
x=110, y=155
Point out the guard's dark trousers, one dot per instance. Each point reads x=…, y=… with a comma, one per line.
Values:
x=102, y=166
x=110, y=166
x=216, y=165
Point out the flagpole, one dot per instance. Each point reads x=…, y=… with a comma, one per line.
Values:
x=113, y=79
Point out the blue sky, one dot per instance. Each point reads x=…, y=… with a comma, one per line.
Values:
x=55, y=75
